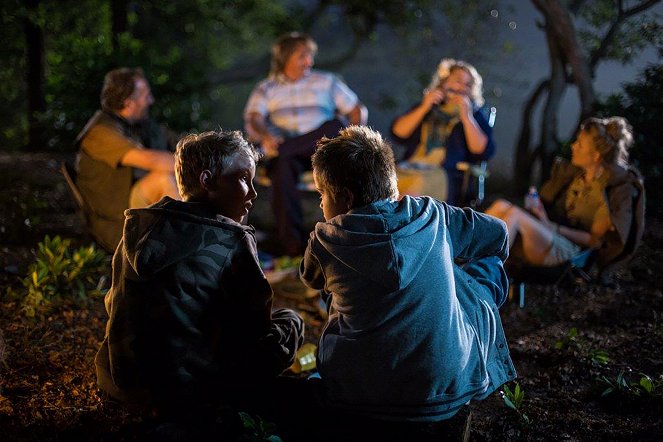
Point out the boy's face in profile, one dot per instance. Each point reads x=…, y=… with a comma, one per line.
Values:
x=232, y=193
x=330, y=205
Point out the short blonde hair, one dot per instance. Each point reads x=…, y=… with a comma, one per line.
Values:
x=213, y=151
x=447, y=66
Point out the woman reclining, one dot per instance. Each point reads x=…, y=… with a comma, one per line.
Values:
x=596, y=201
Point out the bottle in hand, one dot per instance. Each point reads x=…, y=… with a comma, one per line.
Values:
x=532, y=200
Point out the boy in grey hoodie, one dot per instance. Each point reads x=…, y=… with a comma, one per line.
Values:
x=414, y=288
x=191, y=325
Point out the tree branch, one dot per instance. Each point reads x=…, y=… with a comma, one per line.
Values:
x=523, y=163
x=609, y=36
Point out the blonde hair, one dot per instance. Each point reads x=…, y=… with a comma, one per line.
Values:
x=447, y=66
x=612, y=136
x=212, y=150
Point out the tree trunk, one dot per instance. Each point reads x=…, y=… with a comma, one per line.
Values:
x=35, y=75
x=564, y=54
x=549, y=120
x=524, y=155
x=559, y=26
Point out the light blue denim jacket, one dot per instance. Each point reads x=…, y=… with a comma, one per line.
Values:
x=412, y=335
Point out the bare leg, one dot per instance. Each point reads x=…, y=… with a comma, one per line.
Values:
x=152, y=187
x=536, y=236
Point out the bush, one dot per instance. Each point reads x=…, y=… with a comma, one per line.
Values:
x=59, y=274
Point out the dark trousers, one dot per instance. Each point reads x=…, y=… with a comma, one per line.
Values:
x=299, y=410
x=284, y=171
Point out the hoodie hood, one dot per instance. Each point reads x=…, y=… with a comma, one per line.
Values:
x=165, y=232
x=383, y=241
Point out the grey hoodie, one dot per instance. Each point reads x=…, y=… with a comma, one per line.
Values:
x=412, y=335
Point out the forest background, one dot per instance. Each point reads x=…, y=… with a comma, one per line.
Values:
x=546, y=65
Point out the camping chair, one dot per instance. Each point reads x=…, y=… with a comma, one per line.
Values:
x=84, y=210
x=574, y=270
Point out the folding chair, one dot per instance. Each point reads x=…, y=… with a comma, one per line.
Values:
x=85, y=211
x=573, y=270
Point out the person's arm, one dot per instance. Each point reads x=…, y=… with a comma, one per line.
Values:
x=593, y=238
x=277, y=334
x=149, y=159
x=310, y=271
x=476, y=235
x=406, y=124
x=474, y=136
x=256, y=129
x=358, y=115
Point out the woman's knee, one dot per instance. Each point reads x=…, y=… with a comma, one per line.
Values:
x=499, y=208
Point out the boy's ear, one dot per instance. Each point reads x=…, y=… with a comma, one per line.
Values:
x=205, y=179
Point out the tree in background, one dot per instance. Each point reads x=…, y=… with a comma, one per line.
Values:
x=642, y=104
x=579, y=34
x=59, y=51
x=202, y=57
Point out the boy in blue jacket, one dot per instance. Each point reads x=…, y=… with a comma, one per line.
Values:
x=414, y=288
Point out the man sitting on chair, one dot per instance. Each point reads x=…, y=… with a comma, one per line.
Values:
x=287, y=113
x=124, y=159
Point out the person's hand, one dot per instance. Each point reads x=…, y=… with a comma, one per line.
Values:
x=460, y=100
x=270, y=143
x=540, y=212
x=432, y=97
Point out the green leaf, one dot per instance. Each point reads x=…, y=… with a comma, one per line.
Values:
x=647, y=384
x=247, y=421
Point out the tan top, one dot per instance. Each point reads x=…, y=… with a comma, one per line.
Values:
x=435, y=131
x=585, y=201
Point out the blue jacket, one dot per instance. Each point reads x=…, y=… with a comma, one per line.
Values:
x=411, y=334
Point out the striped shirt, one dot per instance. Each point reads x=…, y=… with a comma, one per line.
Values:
x=293, y=108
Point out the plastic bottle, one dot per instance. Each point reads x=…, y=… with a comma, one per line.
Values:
x=305, y=359
x=532, y=198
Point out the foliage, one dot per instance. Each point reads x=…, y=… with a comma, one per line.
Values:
x=202, y=69
x=58, y=273
x=261, y=430
x=641, y=104
x=13, y=105
x=598, y=357
x=633, y=36
x=621, y=386
x=514, y=400
x=572, y=342
x=568, y=340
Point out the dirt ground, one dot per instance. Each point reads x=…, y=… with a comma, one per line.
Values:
x=568, y=343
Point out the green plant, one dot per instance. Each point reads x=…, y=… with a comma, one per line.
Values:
x=514, y=400
x=568, y=340
x=59, y=273
x=644, y=387
x=598, y=357
x=261, y=430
